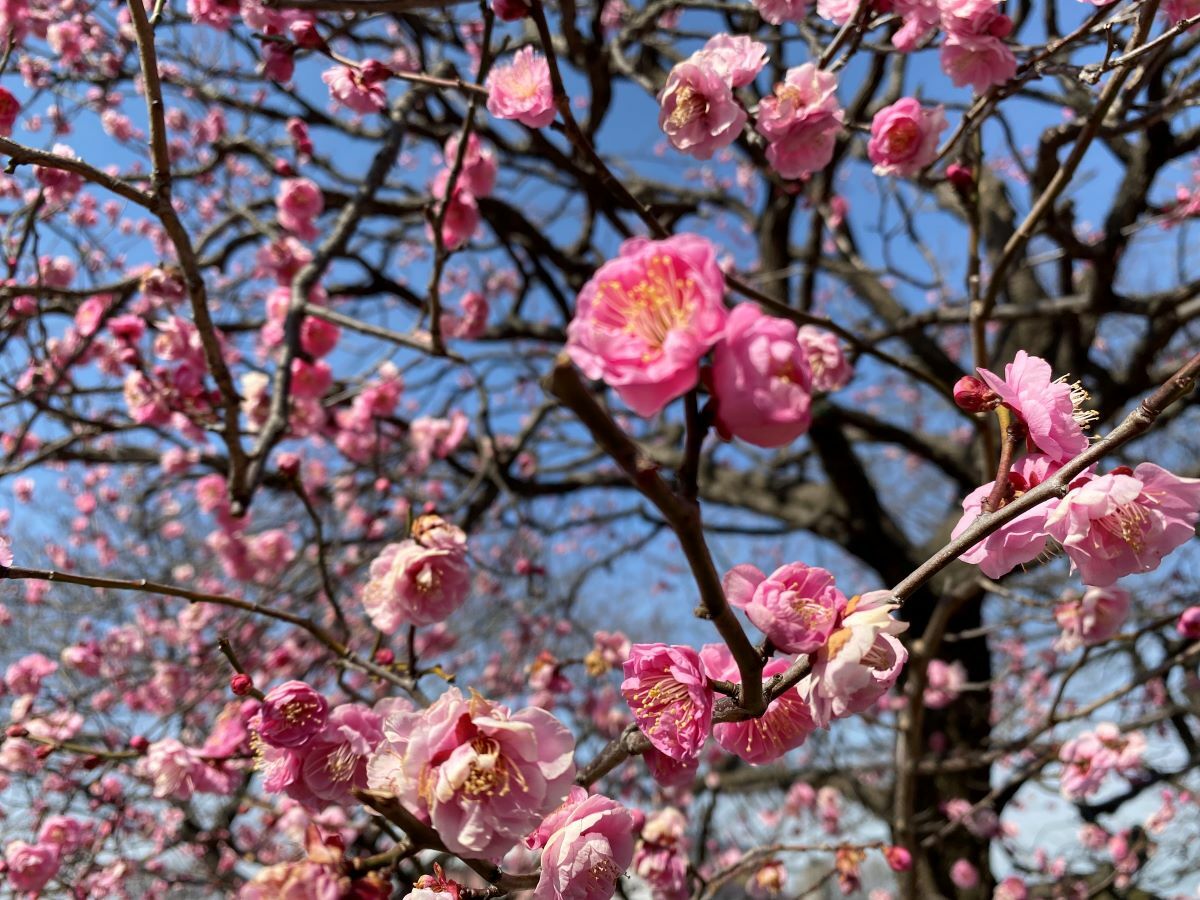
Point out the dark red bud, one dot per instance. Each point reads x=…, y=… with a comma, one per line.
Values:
x=284, y=168
x=92, y=762
x=241, y=684
x=384, y=656
x=374, y=72
x=1121, y=470
x=961, y=177
x=138, y=743
x=974, y=396
x=17, y=731
x=307, y=36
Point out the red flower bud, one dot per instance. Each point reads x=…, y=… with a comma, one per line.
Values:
x=972, y=395
x=284, y=168
x=241, y=684
x=510, y=10
x=898, y=858
x=307, y=36
x=961, y=177
x=384, y=656
x=138, y=743
x=374, y=72
x=17, y=731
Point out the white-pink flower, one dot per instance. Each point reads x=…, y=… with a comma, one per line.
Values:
x=521, y=90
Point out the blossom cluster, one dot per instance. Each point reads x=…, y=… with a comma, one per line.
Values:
x=646, y=319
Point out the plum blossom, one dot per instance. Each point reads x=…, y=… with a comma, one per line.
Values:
x=419, y=581
x=1090, y=757
x=1125, y=522
x=801, y=121
x=300, y=202
x=698, y=112
x=1091, y=619
x=588, y=847
x=10, y=108
x=483, y=777
x=796, y=606
x=1023, y=538
x=178, y=771
x=1188, y=624
x=292, y=713
x=645, y=319
x=776, y=12
x=944, y=682
x=904, y=137
x=667, y=691
x=827, y=364
x=761, y=379
x=521, y=90
x=661, y=856
x=355, y=88
x=785, y=725
x=737, y=58
x=1051, y=410
x=861, y=660
x=31, y=866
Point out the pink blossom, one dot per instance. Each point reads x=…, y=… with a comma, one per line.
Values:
x=761, y=379
x=330, y=765
x=521, y=90
x=1051, y=410
x=481, y=776
x=1091, y=619
x=668, y=693
x=981, y=61
x=462, y=212
x=352, y=88
x=420, y=581
x=861, y=660
x=25, y=676
x=830, y=369
x=944, y=682
x=904, y=137
x=590, y=847
x=292, y=713
x=1011, y=888
x=300, y=202
x=478, y=173
x=797, y=606
x=1125, y=522
x=737, y=58
x=472, y=322
x=31, y=866
x=645, y=319
x=6, y=554
x=1090, y=757
x=177, y=771
x=838, y=11
x=801, y=121
x=698, y=112
x=776, y=12
x=661, y=856
x=964, y=875
x=1020, y=540
x=1188, y=624
x=1179, y=10
x=785, y=725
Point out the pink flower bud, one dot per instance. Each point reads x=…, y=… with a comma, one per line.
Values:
x=961, y=177
x=375, y=72
x=1189, y=623
x=899, y=859
x=240, y=684
x=384, y=656
x=972, y=395
x=138, y=743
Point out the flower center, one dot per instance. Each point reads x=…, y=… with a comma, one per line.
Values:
x=1127, y=523
x=901, y=137
x=690, y=105
x=341, y=764
x=651, y=308
x=661, y=696
x=489, y=775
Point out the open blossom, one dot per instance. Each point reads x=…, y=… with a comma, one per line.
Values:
x=661, y=858
x=785, y=725
x=1089, y=758
x=944, y=682
x=24, y=677
x=904, y=137
x=761, y=379
x=796, y=606
x=31, y=866
x=668, y=693
x=645, y=319
x=589, y=847
x=178, y=771
x=355, y=88
x=521, y=90
x=1091, y=619
x=1125, y=522
x=980, y=60
x=698, y=112
x=478, y=172
x=420, y=581
x=481, y=776
x=861, y=660
x=801, y=121
x=827, y=364
x=1020, y=540
x=1051, y=410
x=299, y=202
x=776, y=12
x=329, y=765
x=292, y=713
x=737, y=58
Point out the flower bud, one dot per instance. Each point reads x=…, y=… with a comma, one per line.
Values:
x=384, y=656
x=961, y=177
x=375, y=72
x=1189, y=623
x=240, y=684
x=972, y=395
x=899, y=859
x=138, y=743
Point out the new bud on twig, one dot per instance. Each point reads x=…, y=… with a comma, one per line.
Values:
x=241, y=684
x=973, y=396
